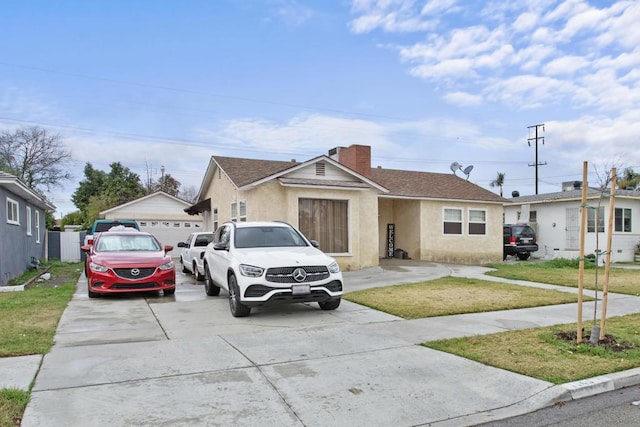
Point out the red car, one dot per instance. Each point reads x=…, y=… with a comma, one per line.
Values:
x=128, y=261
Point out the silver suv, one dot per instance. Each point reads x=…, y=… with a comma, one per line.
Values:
x=264, y=263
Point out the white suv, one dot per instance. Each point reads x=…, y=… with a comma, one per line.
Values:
x=263, y=263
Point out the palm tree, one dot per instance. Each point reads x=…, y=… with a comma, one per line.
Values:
x=498, y=182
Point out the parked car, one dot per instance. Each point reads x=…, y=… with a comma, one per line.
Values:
x=264, y=263
x=100, y=225
x=519, y=240
x=127, y=260
x=191, y=254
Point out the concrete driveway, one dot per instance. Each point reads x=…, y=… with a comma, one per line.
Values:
x=185, y=361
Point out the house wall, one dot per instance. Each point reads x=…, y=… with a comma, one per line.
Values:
x=15, y=258
x=161, y=216
x=419, y=231
x=551, y=226
x=465, y=248
x=271, y=201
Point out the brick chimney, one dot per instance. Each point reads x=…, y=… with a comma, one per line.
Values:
x=356, y=157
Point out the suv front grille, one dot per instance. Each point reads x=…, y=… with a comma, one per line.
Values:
x=125, y=273
x=285, y=274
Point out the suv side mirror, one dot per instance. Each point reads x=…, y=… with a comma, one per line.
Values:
x=221, y=246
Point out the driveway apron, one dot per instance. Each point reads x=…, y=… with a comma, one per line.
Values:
x=183, y=360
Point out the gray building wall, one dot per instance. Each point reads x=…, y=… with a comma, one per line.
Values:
x=16, y=247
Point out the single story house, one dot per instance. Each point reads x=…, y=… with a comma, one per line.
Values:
x=557, y=219
x=160, y=214
x=357, y=213
x=23, y=224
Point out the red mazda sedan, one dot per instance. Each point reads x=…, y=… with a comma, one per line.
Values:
x=128, y=261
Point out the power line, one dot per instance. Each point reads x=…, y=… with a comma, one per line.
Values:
x=536, y=139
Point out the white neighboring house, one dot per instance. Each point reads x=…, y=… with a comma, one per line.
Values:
x=556, y=217
x=160, y=214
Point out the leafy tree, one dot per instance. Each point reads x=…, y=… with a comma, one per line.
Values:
x=72, y=218
x=35, y=156
x=498, y=182
x=629, y=180
x=101, y=190
x=91, y=186
x=168, y=184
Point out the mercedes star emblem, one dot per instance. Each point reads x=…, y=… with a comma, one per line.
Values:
x=299, y=274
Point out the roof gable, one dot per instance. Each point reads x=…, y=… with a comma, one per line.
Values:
x=181, y=204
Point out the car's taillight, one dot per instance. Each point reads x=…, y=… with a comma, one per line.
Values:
x=512, y=240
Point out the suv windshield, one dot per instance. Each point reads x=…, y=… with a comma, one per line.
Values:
x=523, y=231
x=263, y=237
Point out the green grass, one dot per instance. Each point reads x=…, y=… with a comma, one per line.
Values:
x=29, y=322
x=30, y=317
x=12, y=405
x=453, y=295
x=539, y=353
x=565, y=273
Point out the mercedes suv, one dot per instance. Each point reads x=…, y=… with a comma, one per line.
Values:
x=519, y=240
x=264, y=263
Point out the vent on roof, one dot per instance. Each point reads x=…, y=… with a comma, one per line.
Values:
x=320, y=166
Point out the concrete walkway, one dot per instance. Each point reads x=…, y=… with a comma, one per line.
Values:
x=184, y=360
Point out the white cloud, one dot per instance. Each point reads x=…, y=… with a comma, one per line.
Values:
x=463, y=99
x=566, y=65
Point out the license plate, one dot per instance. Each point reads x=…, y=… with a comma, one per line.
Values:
x=527, y=240
x=301, y=289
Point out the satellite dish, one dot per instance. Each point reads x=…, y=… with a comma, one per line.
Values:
x=455, y=166
x=468, y=170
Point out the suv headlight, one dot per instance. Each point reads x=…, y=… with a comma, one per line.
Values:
x=250, y=270
x=97, y=267
x=167, y=266
x=334, y=267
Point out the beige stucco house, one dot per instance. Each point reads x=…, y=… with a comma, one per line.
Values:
x=357, y=213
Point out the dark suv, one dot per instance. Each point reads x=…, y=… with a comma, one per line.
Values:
x=520, y=240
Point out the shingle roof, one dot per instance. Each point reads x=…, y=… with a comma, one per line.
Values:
x=431, y=185
x=399, y=183
x=246, y=171
x=569, y=195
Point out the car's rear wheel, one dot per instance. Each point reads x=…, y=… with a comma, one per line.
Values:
x=330, y=305
x=237, y=308
x=210, y=289
x=184, y=267
x=196, y=272
x=524, y=255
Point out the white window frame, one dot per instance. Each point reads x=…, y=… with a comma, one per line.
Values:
x=470, y=221
x=239, y=211
x=13, y=212
x=29, y=225
x=215, y=219
x=37, y=226
x=619, y=226
x=445, y=221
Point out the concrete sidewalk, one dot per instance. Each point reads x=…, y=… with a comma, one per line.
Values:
x=184, y=360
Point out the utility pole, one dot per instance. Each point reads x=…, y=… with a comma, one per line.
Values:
x=536, y=139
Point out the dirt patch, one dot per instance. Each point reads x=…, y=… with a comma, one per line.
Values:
x=609, y=342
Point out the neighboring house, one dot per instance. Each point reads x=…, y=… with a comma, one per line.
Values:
x=161, y=214
x=22, y=229
x=357, y=213
x=557, y=217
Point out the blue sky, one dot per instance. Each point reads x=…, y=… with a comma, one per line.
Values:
x=424, y=83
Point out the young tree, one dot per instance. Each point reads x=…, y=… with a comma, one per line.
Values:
x=498, y=182
x=35, y=156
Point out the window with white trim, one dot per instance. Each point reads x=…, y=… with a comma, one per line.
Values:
x=477, y=222
x=12, y=212
x=215, y=219
x=239, y=211
x=591, y=220
x=452, y=223
x=37, y=226
x=29, y=230
x=623, y=220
